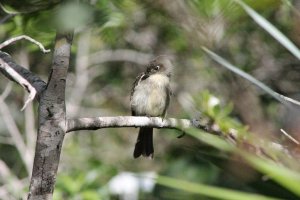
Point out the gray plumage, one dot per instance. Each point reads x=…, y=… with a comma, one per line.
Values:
x=150, y=96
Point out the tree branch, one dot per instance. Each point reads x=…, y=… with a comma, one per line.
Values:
x=20, y=75
x=95, y=123
x=7, y=17
x=16, y=135
x=52, y=122
x=30, y=129
x=14, y=39
x=9, y=179
x=30, y=82
x=82, y=78
x=19, y=79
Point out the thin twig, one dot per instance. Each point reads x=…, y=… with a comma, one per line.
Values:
x=7, y=17
x=11, y=183
x=14, y=39
x=30, y=130
x=290, y=137
x=6, y=91
x=293, y=101
x=16, y=135
x=82, y=78
x=19, y=79
x=32, y=78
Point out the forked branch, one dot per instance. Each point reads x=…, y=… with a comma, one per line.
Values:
x=29, y=81
x=19, y=79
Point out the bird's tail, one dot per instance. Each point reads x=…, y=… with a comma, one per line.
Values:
x=144, y=143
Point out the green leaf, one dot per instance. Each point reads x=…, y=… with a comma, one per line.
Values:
x=210, y=139
x=281, y=98
x=271, y=29
x=285, y=177
x=209, y=191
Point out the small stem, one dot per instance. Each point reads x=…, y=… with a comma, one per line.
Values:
x=14, y=39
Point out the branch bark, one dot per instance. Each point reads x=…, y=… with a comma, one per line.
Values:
x=95, y=123
x=33, y=80
x=52, y=123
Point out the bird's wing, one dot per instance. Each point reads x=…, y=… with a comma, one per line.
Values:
x=168, y=96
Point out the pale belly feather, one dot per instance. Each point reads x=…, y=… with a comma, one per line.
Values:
x=149, y=97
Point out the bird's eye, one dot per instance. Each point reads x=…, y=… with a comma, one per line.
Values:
x=156, y=67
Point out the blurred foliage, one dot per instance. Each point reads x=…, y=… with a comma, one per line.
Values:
x=221, y=115
x=100, y=80
x=27, y=6
x=208, y=191
x=79, y=184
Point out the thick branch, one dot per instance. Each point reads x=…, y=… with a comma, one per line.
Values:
x=35, y=81
x=130, y=121
x=52, y=123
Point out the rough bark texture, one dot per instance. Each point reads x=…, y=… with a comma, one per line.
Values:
x=52, y=123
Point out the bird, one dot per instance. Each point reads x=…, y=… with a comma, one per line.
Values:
x=150, y=96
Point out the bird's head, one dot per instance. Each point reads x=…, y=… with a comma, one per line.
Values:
x=161, y=65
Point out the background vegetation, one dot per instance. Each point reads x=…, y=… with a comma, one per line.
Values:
x=113, y=41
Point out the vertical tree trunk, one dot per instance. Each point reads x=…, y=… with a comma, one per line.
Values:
x=52, y=123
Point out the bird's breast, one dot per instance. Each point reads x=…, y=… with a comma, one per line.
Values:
x=150, y=96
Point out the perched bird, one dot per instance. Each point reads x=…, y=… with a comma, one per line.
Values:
x=150, y=96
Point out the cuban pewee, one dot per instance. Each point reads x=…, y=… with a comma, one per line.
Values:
x=150, y=96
